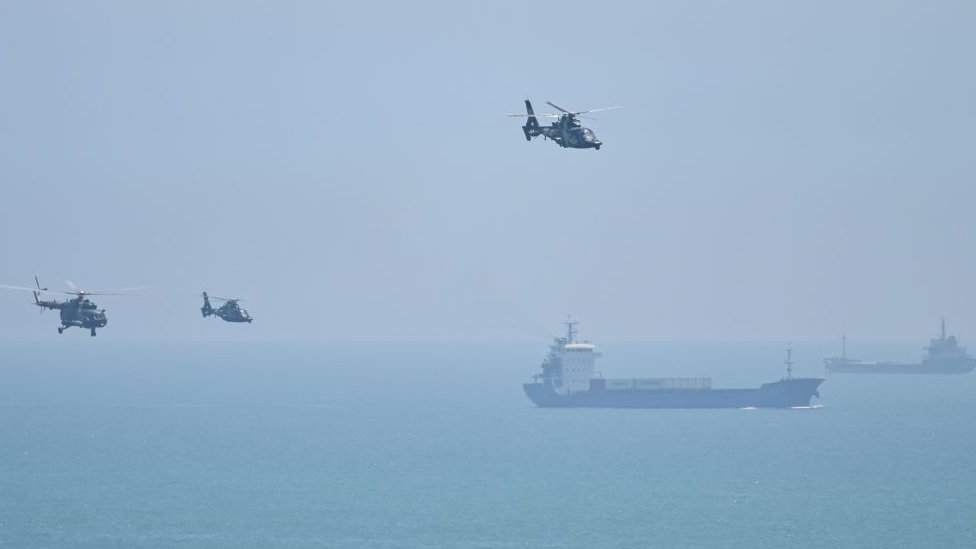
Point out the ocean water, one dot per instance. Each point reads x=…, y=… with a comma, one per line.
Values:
x=435, y=446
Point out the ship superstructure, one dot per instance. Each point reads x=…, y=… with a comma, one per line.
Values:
x=569, y=379
x=943, y=355
x=570, y=364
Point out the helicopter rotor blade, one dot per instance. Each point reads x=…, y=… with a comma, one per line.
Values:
x=35, y=290
x=557, y=107
x=9, y=287
x=563, y=112
x=75, y=290
x=600, y=109
x=120, y=291
x=224, y=298
x=37, y=294
x=526, y=115
x=87, y=293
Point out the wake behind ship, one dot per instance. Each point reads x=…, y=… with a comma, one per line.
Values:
x=568, y=381
x=942, y=356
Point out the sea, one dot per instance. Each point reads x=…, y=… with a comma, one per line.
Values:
x=369, y=445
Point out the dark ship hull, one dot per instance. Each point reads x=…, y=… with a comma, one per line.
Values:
x=786, y=393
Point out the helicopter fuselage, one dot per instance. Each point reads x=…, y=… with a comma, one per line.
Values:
x=230, y=311
x=78, y=312
x=568, y=133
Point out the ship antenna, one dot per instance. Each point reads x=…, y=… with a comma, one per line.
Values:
x=789, y=360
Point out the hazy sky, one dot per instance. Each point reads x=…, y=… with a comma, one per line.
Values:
x=783, y=170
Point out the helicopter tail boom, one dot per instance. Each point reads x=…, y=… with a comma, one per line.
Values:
x=531, y=127
x=207, y=310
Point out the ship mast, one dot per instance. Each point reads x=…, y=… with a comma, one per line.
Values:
x=843, y=345
x=943, y=327
x=789, y=360
x=570, y=329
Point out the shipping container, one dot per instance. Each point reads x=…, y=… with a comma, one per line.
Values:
x=619, y=384
x=660, y=383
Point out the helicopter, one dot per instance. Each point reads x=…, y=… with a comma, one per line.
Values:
x=79, y=311
x=566, y=131
x=230, y=311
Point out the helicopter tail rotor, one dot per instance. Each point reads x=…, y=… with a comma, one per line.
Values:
x=37, y=294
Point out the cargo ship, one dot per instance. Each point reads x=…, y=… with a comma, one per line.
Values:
x=569, y=380
x=942, y=356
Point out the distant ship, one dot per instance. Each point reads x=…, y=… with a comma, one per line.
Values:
x=568, y=381
x=943, y=356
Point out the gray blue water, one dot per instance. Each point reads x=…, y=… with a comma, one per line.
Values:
x=414, y=446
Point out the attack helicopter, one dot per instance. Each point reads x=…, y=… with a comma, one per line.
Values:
x=230, y=311
x=566, y=131
x=79, y=311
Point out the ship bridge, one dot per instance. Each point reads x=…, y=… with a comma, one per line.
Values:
x=580, y=347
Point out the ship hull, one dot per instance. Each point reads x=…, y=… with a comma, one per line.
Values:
x=787, y=393
x=945, y=367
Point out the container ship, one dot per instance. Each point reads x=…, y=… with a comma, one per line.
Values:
x=568, y=380
x=942, y=356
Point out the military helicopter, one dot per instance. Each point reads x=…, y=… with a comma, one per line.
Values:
x=230, y=311
x=78, y=311
x=567, y=131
